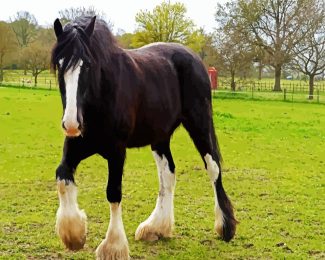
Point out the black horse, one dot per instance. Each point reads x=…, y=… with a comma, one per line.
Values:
x=115, y=99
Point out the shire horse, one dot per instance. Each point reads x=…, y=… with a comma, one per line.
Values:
x=114, y=99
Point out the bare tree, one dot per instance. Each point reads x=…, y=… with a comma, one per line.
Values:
x=24, y=26
x=8, y=45
x=309, y=58
x=261, y=59
x=37, y=58
x=46, y=36
x=70, y=14
x=277, y=26
x=234, y=55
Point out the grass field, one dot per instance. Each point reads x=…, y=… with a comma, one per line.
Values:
x=274, y=172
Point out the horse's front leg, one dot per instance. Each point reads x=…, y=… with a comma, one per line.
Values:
x=71, y=222
x=115, y=244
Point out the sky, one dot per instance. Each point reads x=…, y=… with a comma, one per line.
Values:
x=120, y=13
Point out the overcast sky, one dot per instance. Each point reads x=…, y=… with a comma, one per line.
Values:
x=120, y=13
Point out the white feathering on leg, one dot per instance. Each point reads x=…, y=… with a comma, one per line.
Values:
x=160, y=222
x=213, y=171
x=71, y=222
x=115, y=245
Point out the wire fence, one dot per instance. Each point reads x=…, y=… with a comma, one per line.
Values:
x=295, y=86
x=284, y=95
x=19, y=78
x=43, y=83
x=295, y=91
x=254, y=90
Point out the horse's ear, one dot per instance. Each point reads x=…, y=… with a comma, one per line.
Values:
x=57, y=27
x=90, y=27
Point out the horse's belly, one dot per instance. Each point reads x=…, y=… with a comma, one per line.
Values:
x=153, y=133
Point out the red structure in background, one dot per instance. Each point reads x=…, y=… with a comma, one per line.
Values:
x=213, y=75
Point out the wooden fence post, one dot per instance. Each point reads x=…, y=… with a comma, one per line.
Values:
x=284, y=94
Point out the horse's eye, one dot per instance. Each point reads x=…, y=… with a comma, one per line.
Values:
x=59, y=64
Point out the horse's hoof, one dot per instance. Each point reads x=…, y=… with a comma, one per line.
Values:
x=146, y=232
x=109, y=250
x=72, y=229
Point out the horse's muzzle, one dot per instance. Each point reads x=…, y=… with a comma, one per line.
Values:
x=72, y=130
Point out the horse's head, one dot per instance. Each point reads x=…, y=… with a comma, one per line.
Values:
x=72, y=59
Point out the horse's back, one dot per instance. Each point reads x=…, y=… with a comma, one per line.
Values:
x=172, y=79
x=187, y=66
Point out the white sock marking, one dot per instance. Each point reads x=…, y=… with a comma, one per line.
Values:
x=116, y=228
x=213, y=171
x=115, y=244
x=161, y=220
x=164, y=209
x=67, y=197
x=71, y=223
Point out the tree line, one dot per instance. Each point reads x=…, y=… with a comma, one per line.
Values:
x=249, y=35
x=277, y=33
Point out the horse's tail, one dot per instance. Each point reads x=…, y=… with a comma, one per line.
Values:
x=226, y=222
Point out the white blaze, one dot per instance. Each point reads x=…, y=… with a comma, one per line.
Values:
x=71, y=78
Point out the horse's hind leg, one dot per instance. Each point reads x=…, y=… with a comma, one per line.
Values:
x=160, y=222
x=71, y=222
x=198, y=122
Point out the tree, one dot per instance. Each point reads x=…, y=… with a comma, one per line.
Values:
x=124, y=39
x=37, y=58
x=309, y=54
x=166, y=23
x=24, y=26
x=70, y=14
x=8, y=45
x=203, y=44
x=261, y=58
x=309, y=58
x=234, y=55
x=277, y=26
x=46, y=36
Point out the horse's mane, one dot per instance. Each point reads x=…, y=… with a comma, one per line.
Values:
x=74, y=44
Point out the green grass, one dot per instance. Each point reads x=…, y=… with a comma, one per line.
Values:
x=274, y=173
